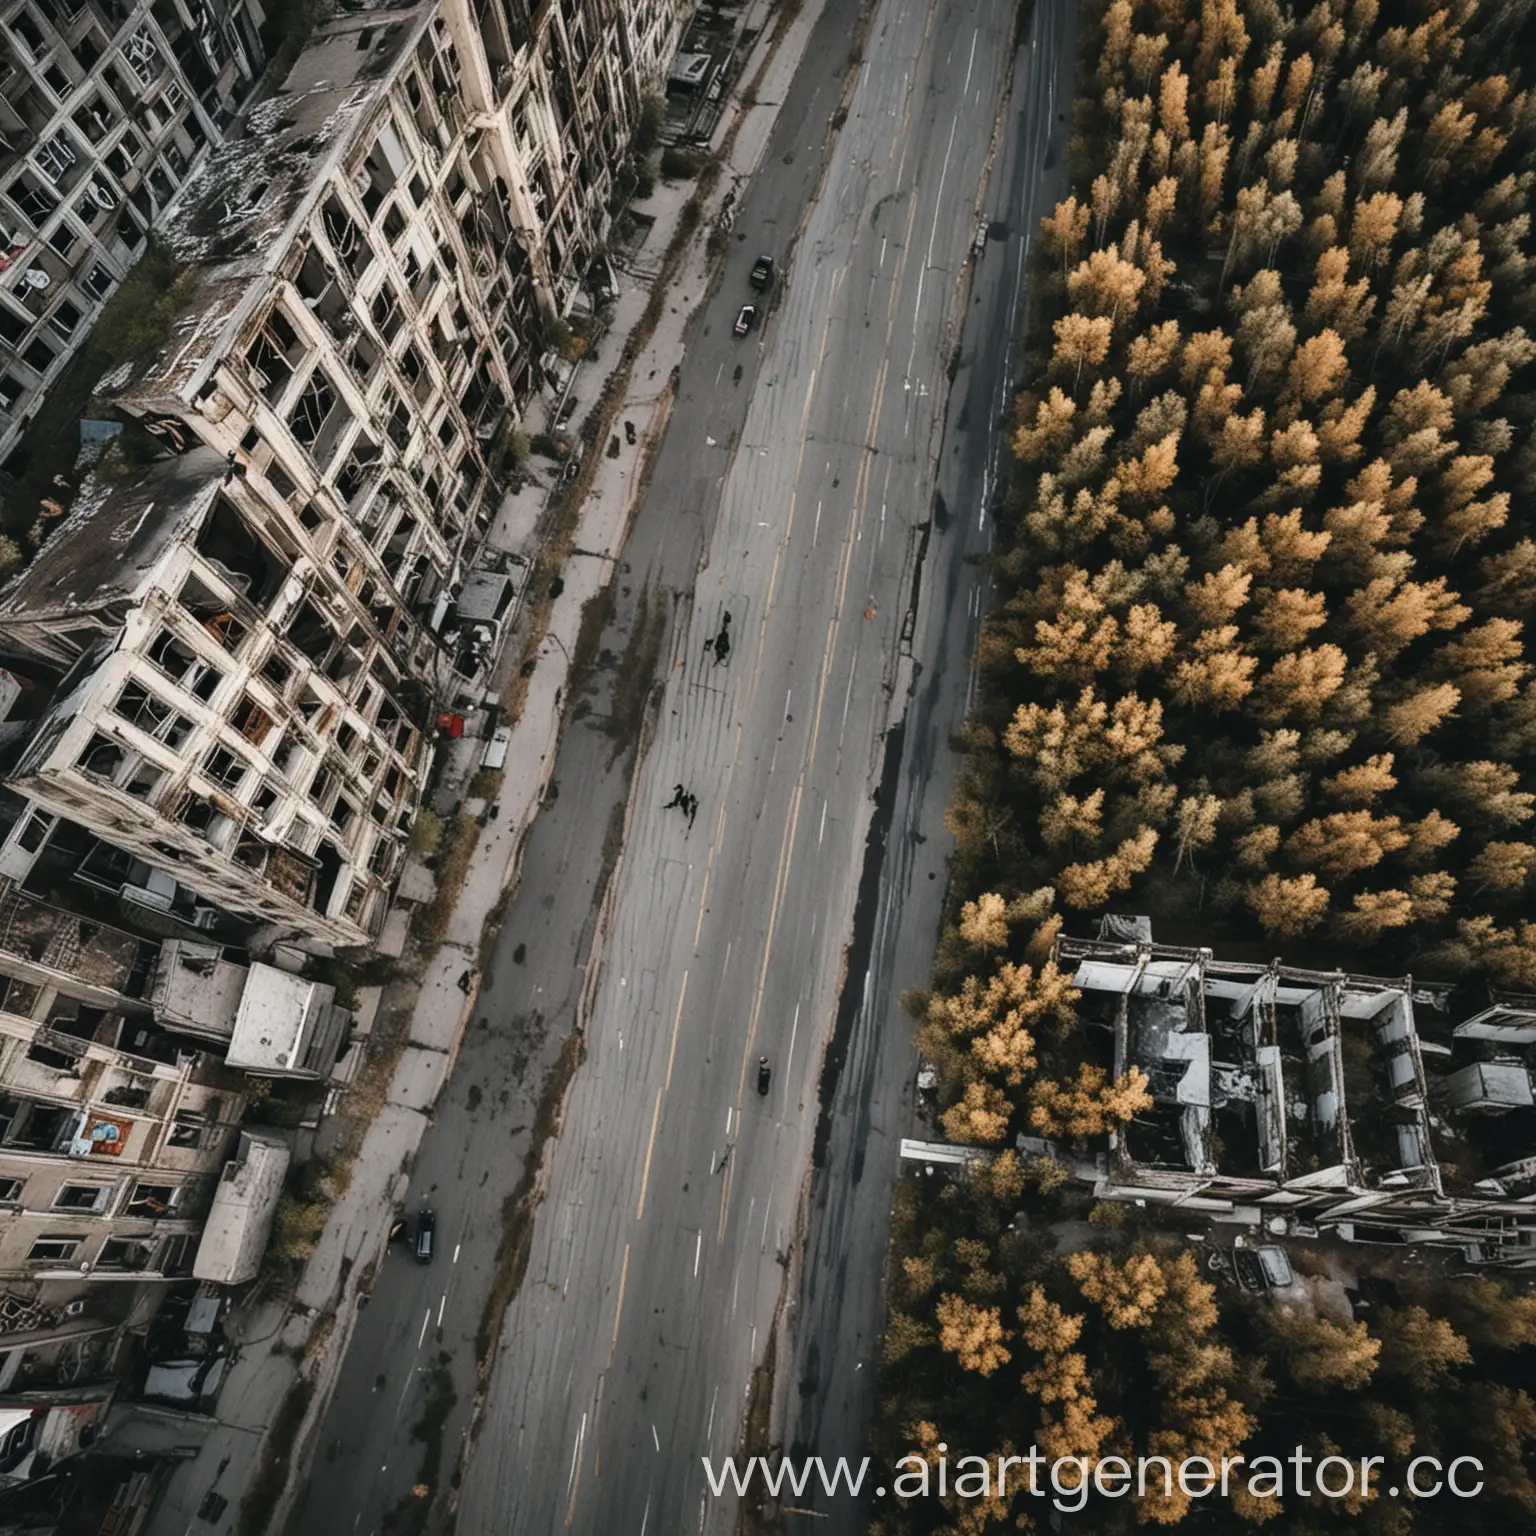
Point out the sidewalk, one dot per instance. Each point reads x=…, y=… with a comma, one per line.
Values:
x=288, y=1353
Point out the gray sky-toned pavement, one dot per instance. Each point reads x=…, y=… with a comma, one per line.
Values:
x=833, y=1372
x=653, y=1279
x=654, y=1271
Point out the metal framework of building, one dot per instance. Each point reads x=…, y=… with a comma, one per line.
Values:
x=1315, y=1100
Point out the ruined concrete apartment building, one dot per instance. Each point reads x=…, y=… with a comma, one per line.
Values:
x=105, y=108
x=242, y=646
x=112, y=1138
x=1314, y=1102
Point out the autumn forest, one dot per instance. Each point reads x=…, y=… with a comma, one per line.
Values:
x=1257, y=668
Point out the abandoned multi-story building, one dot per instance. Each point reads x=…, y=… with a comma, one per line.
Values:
x=106, y=106
x=1315, y=1101
x=113, y=1134
x=238, y=651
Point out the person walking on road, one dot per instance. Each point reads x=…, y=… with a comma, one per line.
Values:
x=679, y=799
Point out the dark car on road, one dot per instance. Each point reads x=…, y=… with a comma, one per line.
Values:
x=762, y=272
x=426, y=1236
x=746, y=319
x=764, y=1075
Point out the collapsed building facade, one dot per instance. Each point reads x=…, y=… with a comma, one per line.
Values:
x=134, y=1197
x=221, y=675
x=1314, y=1101
x=232, y=658
x=106, y=107
x=113, y=1134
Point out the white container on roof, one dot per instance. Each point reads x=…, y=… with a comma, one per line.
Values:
x=286, y=1026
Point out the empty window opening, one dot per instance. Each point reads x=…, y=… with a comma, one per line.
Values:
x=197, y=813
x=172, y=655
x=89, y=1198
x=365, y=357
x=288, y=757
x=39, y=355
x=102, y=756
x=399, y=428
x=212, y=611
x=224, y=768
x=35, y=832
x=252, y=721
x=385, y=313
x=312, y=409
x=273, y=356
x=54, y=1249
x=310, y=633
x=280, y=482
x=353, y=477
x=152, y=1200
x=276, y=671
x=345, y=239
x=65, y=318
x=145, y=781
x=129, y=1255
x=227, y=542
x=330, y=862
x=37, y=1127
x=152, y=715
x=188, y=1130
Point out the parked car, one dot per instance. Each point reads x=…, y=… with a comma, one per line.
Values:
x=426, y=1236
x=1262, y=1269
x=746, y=319
x=762, y=272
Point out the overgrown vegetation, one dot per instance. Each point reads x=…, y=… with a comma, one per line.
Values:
x=426, y=834
x=681, y=164
x=452, y=864
x=998, y=1340
x=1262, y=592
x=266, y=1491
x=302, y=1212
x=1258, y=668
x=133, y=324
x=653, y=114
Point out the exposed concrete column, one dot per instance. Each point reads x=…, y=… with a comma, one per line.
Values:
x=490, y=120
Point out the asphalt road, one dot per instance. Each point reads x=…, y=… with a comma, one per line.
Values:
x=674, y=1187
x=423, y=1320
x=838, y=1311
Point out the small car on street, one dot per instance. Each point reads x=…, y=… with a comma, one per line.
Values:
x=426, y=1236
x=746, y=319
x=764, y=1075
x=762, y=272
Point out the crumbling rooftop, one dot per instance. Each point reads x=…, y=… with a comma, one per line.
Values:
x=240, y=211
x=103, y=552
